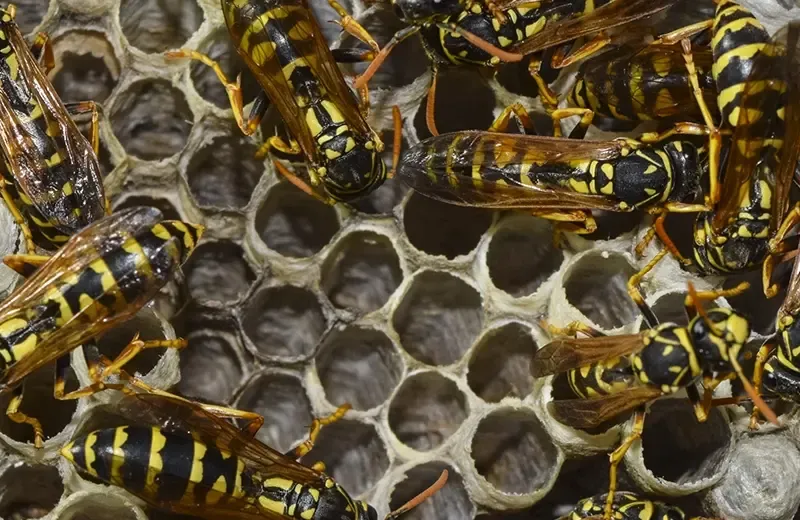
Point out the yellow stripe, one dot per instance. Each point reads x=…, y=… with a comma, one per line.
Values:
x=118, y=456
x=155, y=463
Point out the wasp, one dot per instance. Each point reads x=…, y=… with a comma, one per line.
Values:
x=185, y=457
x=612, y=375
x=758, y=87
x=626, y=506
x=99, y=278
x=51, y=179
x=285, y=49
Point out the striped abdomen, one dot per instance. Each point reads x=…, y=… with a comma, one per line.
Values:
x=602, y=378
x=627, y=506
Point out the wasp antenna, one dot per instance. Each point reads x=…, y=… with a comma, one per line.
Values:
x=362, y=80
x=417, y=500
x=698, y=306
x=763, y=407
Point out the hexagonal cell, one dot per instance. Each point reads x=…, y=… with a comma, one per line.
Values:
x=500, y=366
x=283, y=322
x=452, y=501
x=353, y=453
x=597, y=286
x=679, y=449
x=426, y=410
x=513, y=452
x=18, y=498
x=151, y=119
x=163, y=205
x=86, y=67
x=217, y=271
x=669, y=308
x=438, y=318
x=522, y=255
x=437, y=228
x=383, y=200
x=98, y=506
x=210, y=368
x=205, y=81
x=223, y=174
x=358, y=366
x=294, y=224
x=30, y=13
x=148, y=326
x=281, y=399
x=463, y=102
x=38, y=402
x=361, y=272
x=159, y=25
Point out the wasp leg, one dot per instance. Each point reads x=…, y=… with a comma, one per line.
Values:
x=616, y=457
x=277, y=143
x=25, y=265
x=776, y=248
x=352, y=27
x=133, y=348
x=659, y=230
x=683, y=33
x=521, y=115
x=234, y=90
x=300, y=183
x=30, y=245
x=397, y=139
x=88, y=107
x=693, y=298
x=579, y=222
x=571, y=329
x=547, y=96
x=42, y=51
x=590, y=48
x=430, y=105
x=636, y=279
x=362, y=80
x=17, y=416
x=59, y=385
x=764, y=353
x=579, y=132
x=313, y=432
x=351, y=55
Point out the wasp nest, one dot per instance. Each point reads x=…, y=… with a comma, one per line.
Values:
x=421, y=315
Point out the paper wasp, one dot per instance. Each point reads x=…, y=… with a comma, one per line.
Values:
x=626, y=506
x=100, y=278
x=51, y=178
x=285, y=49
x=612, y=375
x=185, y=457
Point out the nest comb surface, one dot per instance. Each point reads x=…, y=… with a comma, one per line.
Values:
x=423, y=316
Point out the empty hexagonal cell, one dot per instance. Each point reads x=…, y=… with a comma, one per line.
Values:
x=670, y=308
x=205, y=80
x=500, y=366
x=514, y=453
x=159, y=25
x=224, y=172
x=281, y=399
x=438, y=318
x=522, y=255
x=86, y=67
x=384, y=199
x=283, y=323
x=217, y=271
x=165, y=206
x=353, y=453
x=29, y=491
x=679, y=449
x=463, y=102
x=358, y=366
x=294, y=224
x=361, y=272
x=210, y=367
x=98, y=506
x=38, y=402
x=30, y=13
x=151, y=119
x=148, y=325
x=596, y=284
x=426, y=410
x=452, y=501
x=437, y=228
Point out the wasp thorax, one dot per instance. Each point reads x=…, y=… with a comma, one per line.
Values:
x=718, y=337
x=355, y=173
x=667, y=360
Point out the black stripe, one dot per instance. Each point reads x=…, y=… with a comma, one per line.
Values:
x=136, y=450
x=177, y=456
x=104, y=453
x=215, y=466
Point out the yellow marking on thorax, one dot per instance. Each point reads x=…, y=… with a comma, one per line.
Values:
x=155, y=463
x=118, y=454
x=536, y=27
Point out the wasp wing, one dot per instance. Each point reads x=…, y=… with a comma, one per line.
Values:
x=791, y=304
x=45, y=179
x=486, y=169
x=590, y=413
x=609, y=16
x=565, y=354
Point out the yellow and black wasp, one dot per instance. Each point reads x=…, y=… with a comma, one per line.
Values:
x=51, y=179
x=186, y=458
x=100, y=278
x=612, y=375
x=284, y=47
x=626, y=506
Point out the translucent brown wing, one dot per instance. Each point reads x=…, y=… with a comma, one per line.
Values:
x=609, y=16
x=183, y=416
x=91, y=243
x=791, y=304
x=41, y=182
x=565, y=354
x=483, y=169
x=590, y=413
x=760, y=122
